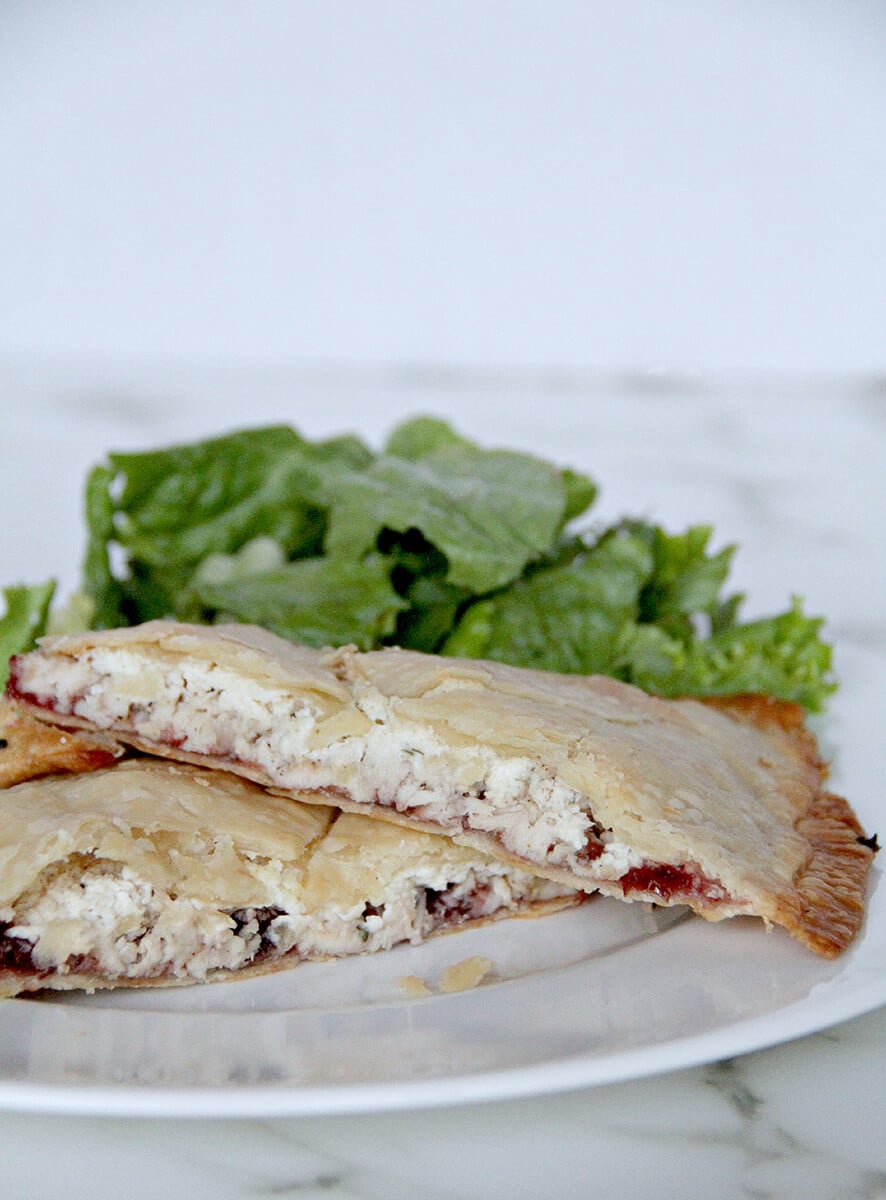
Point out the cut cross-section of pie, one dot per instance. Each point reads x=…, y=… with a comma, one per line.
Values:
x=717, y=805
x=155, y=873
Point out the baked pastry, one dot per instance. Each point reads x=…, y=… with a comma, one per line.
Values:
x=719, y=805
x=153, y=873
x=30, y=748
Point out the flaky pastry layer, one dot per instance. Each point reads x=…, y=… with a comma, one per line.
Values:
x=150, y=873
x=720, y=805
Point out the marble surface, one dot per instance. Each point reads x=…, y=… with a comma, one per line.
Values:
x=793, y=470
x=800, y=1122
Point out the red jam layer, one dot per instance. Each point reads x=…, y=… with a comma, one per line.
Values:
x=15, y=693
x=671, y=883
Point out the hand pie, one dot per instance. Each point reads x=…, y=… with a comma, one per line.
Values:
x=590, y=782
x=152, y=873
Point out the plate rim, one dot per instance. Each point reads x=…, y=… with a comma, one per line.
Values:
x=754, y=1034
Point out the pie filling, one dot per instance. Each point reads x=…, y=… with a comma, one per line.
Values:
x=264, y=733
x=91, y=917
x=212, y=715
x=665, y=883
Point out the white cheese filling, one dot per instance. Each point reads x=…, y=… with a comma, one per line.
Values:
x=103, y=919
x=207, y=710
x=122, y=927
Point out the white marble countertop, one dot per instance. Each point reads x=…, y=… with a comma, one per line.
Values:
x=802, y=1121
x=792, y=470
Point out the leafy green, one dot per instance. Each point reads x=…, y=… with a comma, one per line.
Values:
x=24, y=621
x=566, y=617
x=437, y=544
x=484, y=514
x=782, y=656
x=419, y=436
x=685, y=580
x=645, y=607
x=317, y=601
x=177, y=506
x=489, y=512
x=581, y=492
x=181, y=504
x=99, y=583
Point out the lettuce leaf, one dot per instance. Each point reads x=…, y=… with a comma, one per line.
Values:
x=27, y=608
x=482, y=514
x=566, y=617
x=488, y=512
x=167, y=510
x=645, y=606
x=317, y=601
x=99, y=583
x=781, y=656
x=437, y=544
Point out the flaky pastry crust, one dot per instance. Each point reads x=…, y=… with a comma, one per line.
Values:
x=718, y=804
x=30, y=748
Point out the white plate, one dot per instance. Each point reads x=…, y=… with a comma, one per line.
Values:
x=603, y=993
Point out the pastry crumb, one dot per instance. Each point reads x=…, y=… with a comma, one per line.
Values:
x=458, y=977
x=464, y=975
x=414, y=986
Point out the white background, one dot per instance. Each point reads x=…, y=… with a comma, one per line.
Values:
x=691, y=185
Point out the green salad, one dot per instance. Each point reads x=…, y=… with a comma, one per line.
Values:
x=434, y=543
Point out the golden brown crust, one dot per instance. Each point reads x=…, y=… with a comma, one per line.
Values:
x=32, y=749
x=825, y=908
x=767, y=712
